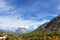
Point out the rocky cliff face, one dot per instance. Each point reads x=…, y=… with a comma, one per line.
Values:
x=22, y=31
x=54, y=24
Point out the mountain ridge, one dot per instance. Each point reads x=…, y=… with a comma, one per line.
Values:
x=54, y=24
x=22, y=31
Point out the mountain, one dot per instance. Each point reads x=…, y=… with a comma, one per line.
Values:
x=6, y=31
x=37, y=33
x=42, y=27
x=22, y=31
x=18, y=31
x=47, y=31
x=54, y=24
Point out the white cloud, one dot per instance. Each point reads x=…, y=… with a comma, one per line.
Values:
x=5, y=7
x=8, y=22
x=12, y=21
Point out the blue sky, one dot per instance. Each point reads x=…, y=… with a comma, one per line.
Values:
x=28, y=14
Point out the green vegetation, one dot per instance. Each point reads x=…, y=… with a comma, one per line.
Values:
x=38, y=35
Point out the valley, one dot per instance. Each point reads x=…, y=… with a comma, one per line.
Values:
x=47, y=31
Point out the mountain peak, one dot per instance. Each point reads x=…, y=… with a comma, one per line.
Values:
x=22, y=30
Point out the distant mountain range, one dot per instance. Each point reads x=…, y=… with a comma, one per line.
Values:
x=18, y=31
x=6, y=31
x=22, y=31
